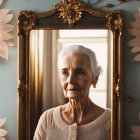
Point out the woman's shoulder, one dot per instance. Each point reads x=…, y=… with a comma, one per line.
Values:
x=47, y=116
x=104, y=114
x=104, y=121
x=49, y=112
x=107, y=114
x=105, y=117
x=108, y=111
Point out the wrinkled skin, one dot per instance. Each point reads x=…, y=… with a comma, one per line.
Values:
x=76, y=78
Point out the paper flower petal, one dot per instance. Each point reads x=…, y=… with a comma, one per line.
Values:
x=136, y=129
x=134, y=42
x=3, y=12
x=4, y=52
x=9, y=43
x=2, y=121
x=137, y=58
x=135, y=24
x=135, y=31
x=134, y=136
x=6, y=27
x=135, y=49
x=0, y=2
x=137, y=16
x=6, y=18
x=2, y=138
x=2, y=44
x=3, y=132
x=5, y=36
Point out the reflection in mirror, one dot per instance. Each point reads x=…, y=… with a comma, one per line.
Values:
x=44, y=48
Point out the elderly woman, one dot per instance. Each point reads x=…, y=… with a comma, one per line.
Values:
x=80, y=118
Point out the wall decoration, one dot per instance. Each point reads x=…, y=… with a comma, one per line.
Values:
x=5, y=29
x=110, y=5
x=2, y=131
x=136, y=131
x=135, y=31
x=129, y=100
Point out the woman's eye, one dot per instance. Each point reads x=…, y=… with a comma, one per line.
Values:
x=80, y=72
x=64, y=72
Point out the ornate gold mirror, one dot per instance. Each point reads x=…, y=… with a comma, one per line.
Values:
x=43, y=35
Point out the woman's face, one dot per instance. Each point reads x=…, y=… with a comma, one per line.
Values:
x=76, y=76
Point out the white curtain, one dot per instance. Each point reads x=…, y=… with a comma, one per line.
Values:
x=52, y=92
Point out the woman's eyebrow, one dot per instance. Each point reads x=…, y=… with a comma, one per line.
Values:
x=80, y=68
x=64, y=69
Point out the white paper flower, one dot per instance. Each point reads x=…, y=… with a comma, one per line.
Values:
x=135, y=31
x=5, y=28
x=2, y=131
x=136, y=131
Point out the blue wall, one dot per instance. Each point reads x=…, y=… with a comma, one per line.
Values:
x=9, y=69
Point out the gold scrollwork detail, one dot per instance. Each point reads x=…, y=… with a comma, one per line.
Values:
x=21, y=91
x=70, y=10
x=115, y=21
x=118, y=88
x=26, y=21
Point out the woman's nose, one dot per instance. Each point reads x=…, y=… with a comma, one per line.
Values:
x=71, y=79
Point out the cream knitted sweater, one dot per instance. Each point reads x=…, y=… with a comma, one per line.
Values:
x=52, y=127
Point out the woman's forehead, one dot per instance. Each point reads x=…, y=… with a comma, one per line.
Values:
x=76, y=60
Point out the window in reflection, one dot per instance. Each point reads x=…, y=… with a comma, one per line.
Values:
x=100, y=42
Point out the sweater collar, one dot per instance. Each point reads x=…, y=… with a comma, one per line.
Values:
x=106, y=116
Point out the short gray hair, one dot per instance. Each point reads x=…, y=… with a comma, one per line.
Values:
x=66, y=51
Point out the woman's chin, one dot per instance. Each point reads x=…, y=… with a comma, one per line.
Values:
x=73, y=95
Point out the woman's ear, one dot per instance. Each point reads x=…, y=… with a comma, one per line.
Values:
x=95, y=80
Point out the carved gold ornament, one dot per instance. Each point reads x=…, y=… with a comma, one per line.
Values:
x=114, y=21
x=70, y=11
x=117, y=88
x=26, y=21
x=21, y=91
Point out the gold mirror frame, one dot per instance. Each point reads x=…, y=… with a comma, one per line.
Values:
x=68, y=14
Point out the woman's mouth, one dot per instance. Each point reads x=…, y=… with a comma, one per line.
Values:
x=74, y=89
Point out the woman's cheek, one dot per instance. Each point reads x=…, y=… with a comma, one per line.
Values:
x=65, y=94
x=65, y=91
x=64, y=86
x=83, y=79
x=63, y=79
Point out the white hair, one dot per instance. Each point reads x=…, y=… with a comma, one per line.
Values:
x=69, y=50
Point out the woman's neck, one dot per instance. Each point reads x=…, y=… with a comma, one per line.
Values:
x=77, y=111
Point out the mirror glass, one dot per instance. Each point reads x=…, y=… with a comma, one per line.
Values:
x=43, y=73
